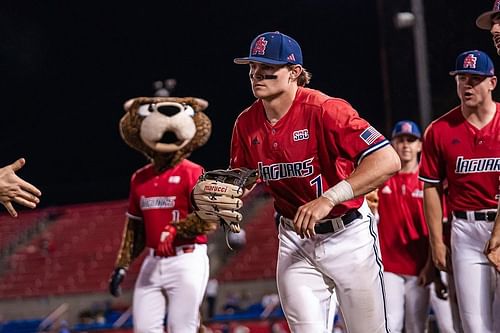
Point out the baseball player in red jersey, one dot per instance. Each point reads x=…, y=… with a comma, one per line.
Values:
x=490, y=20
x=404, y=240
x=463, y=147
x=404, y=235
x=318, y=158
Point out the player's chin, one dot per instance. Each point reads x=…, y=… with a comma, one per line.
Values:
x=470, y=102
x=259, y=92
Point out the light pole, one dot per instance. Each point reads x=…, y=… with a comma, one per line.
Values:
x=415, y=19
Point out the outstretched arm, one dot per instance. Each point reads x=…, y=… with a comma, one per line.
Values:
x=15, y=189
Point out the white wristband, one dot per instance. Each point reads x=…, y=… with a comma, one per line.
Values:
x=340, y=192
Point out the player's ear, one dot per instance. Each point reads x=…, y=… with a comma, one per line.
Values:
x=493, y=82
x=419, y=146
x=295, y=71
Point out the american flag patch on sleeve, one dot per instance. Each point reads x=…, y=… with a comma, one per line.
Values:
x=369, y=135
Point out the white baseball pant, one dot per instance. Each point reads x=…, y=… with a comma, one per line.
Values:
x=407, y=303
x=308, y=270
x=477, y=283
x=181, y=280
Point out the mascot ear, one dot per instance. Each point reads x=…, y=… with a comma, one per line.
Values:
x=200, y=104
x=128, y=104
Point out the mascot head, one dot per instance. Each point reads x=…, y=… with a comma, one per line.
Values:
x=165, y=129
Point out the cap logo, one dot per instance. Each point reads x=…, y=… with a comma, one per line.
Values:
x=291, y=57
x=260, y=46
x=470, y=61
x=406, y=128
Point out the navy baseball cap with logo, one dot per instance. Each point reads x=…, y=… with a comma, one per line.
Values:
x=474, y=62
x=273, y=48
x=406, y=127
x=484, y=21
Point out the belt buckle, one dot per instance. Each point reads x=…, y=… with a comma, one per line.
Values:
x=337, y=224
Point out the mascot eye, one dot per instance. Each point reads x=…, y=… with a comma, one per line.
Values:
x=189, y=110
x=145, y=110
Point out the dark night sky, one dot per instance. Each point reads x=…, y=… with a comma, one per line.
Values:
x=67, y=67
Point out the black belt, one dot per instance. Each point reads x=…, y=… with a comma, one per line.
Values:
x=478, y=216
x=328, y=225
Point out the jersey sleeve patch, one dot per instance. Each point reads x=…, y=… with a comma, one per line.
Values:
x=369, y=135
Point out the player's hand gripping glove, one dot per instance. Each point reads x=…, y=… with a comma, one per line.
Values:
x=115, y=280
x=216, y=195
x=166, y=246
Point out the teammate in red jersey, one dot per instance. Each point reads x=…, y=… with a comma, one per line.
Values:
x=318, y=157
x=490, y=20
x=404, y=241
x=463, y=147
x=404, y=235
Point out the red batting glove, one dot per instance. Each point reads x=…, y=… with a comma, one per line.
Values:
x=166, y=246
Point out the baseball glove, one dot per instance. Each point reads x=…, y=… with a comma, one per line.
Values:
x=217, y=195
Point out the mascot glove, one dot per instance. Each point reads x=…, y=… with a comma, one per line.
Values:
x=115, y=280
x=166, y=246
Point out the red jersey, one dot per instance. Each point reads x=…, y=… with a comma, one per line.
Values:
x=468, y=157
x=402, y=228
x=160, y=198
x=315, y=145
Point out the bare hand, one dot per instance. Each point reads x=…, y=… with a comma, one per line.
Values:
x=372, y=200
x=441, y=257
x=427, y=274
x=309, y=214
x=492, y=252
x=15, y=189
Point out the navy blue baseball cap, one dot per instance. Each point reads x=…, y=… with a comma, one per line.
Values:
x=474, y=62
x=273, y=48
x=484, y=20
x=406, y=127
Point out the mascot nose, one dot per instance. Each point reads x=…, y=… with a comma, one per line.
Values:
x=168, y=110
